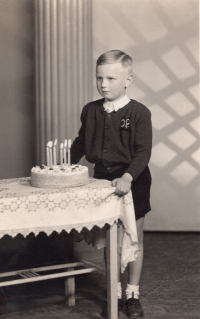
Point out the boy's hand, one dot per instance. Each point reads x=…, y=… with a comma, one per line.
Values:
x=122, y=184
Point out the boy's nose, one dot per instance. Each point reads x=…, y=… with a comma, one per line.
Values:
x=103, y=84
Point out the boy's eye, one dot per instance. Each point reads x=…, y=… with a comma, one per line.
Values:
x=98, y=78
x=111, y=79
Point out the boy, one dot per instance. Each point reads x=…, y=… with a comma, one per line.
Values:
x=116, y=135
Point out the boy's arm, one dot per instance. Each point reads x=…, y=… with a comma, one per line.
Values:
x=142, y=144
x=78, y=146
x=142, y=153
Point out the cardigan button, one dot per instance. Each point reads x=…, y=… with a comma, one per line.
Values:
x=109, y=116
x=105, y=150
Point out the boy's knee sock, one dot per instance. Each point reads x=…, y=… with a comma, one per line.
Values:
x=130, y=289
x=119, y=290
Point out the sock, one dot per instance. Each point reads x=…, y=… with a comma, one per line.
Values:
x=132, y=289
x=119, y=290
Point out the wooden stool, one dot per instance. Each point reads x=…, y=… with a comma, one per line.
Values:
x=33, y=274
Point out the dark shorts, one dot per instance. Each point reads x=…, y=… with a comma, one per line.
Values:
x=140, y=189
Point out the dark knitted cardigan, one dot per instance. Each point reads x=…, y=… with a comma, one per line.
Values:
x=115, y=140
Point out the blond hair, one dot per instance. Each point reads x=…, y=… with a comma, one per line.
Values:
x=116, y=56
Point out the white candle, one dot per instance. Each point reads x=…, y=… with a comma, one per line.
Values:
x=47, y=153
x=65, y=151
x=69, y=156
x=54, y=152
x=50, y=154
x=61, y=155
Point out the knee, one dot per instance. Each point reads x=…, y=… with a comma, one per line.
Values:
x=140, y=238
x=140, y=233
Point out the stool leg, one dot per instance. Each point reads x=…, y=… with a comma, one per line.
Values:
x=70, y=290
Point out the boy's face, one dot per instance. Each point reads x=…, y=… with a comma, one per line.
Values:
x=112, y=80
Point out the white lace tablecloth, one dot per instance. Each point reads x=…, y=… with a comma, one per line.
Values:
x=25, y=209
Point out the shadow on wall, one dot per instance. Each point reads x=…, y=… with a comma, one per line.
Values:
x=164, y=45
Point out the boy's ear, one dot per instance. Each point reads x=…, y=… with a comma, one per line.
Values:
x=129, y=80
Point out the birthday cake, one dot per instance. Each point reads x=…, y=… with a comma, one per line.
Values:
x=59, y=177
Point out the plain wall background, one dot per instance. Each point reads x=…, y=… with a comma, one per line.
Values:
x=16, y=88
x=162, y=36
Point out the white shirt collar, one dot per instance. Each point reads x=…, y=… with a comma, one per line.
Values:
x=119, y=103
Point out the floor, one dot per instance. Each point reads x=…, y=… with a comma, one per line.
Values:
x=170, y=285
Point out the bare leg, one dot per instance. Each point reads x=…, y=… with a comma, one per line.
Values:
x=135, y=267
x=132, y=307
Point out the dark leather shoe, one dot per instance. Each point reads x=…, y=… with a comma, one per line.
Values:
x=133, y=309
x=104, y=313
